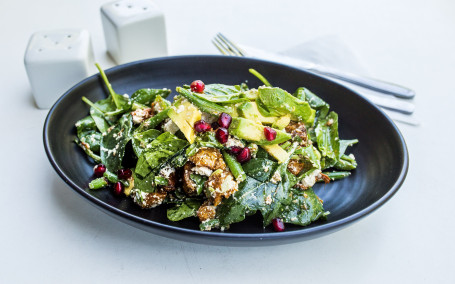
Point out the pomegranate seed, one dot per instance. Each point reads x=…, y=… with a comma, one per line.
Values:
x=99, y=170
x=270, y=133
x=244, y=155
x=197, y=86
x=278, y=225
x=215, y=125
x=224, y=120
x=222, y=135
x=235, y=150
x=124, y=173
x=118, y=188
x=201, y=126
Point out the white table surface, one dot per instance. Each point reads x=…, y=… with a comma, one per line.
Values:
x=51, y=235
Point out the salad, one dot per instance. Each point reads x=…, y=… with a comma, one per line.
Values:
x=217, y=152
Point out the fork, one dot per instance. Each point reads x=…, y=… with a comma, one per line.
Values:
x=227, y=47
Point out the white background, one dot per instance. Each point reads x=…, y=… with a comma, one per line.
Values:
x=50, y=235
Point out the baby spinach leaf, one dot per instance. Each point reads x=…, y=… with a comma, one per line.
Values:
x=199, y=180
x=184, y=210
x=160, y=149
x=260, y=168
x=209, y=224
x=142, y=167
x=92, y=140
x=114, y=142
x=85, y=125
x=142, y=139
x=145, y=184
x=147, y=96
x=278, y=102
x=327, y=140
x=305, y=207
x=223, y=94
x=205, y=105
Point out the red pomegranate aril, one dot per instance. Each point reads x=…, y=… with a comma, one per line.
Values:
x=124, y=173
x=235, y=150
x=99, y=170
x=222, y=135
x=224, y=120
x=278, y=225
x=201, y=126
x=244, y=155
x=270, y=133
x=118, y=188
x=197, y=86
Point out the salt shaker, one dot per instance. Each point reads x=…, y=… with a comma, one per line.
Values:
x=55, y=61
x=133, y=30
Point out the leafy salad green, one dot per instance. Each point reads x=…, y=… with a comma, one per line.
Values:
x=217, y=152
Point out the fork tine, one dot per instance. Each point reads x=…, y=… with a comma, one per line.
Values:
x=232, y=46
x=222, y=47
x=215, y=43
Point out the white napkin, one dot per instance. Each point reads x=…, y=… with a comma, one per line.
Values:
x=332, y=52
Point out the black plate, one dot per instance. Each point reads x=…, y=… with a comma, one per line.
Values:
x=381, y=154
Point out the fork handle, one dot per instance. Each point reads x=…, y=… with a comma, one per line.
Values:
x=369, y=83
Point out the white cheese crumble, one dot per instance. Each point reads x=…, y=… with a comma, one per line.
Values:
x=203, y=171
x=276, y=177
x=310, y=180
x=157, y=107
x=234, y=142
x=139, y=115
x=167, y=171
x=170, y=126
x=268, y=199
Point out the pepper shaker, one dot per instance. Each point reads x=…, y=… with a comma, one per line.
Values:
x=133, y=30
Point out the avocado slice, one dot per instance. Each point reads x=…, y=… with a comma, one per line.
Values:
x=249, y=110
x=278, y=102
x=277, y=152
x=252, y=131
x=185, y=115
x=282, y=121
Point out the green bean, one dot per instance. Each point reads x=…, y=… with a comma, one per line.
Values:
x=98, y=183
x=153, y=121
x=337, y=175
x=234, y=166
